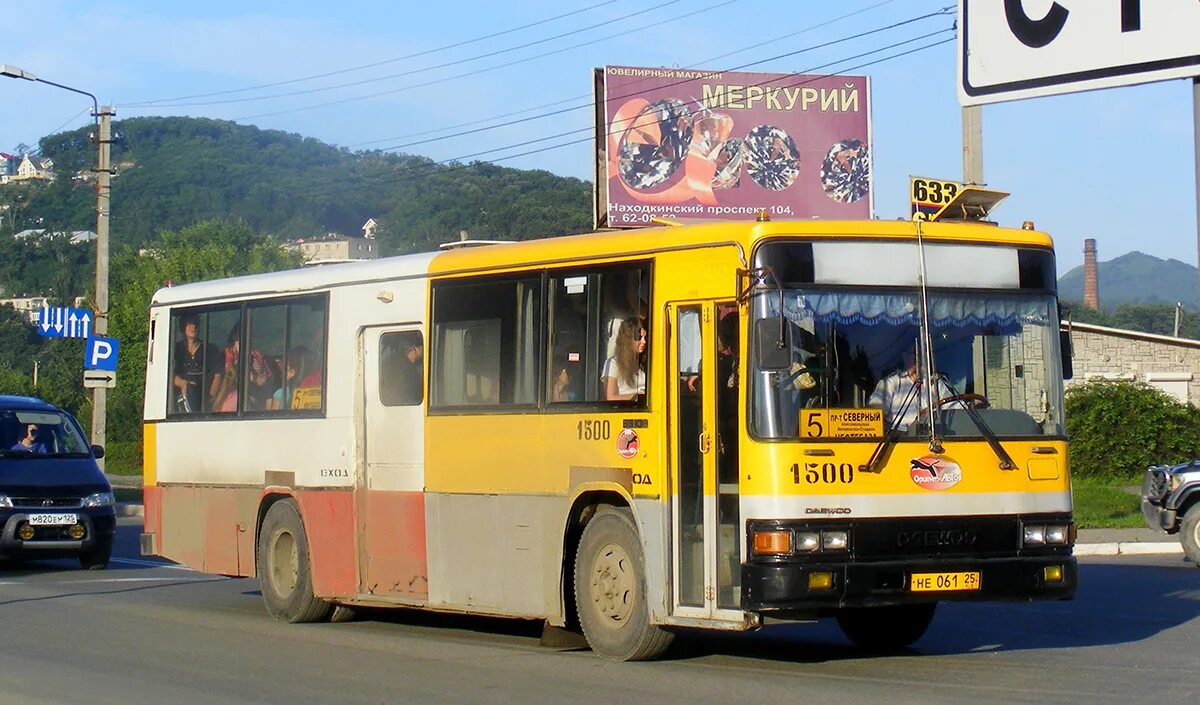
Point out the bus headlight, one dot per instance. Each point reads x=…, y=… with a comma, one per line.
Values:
x=808, y=541
x=834, y=540
x=1058, y=534
x=1048, y=534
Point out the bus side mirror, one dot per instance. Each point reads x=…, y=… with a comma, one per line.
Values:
x=772, y=349
x=1064, y=344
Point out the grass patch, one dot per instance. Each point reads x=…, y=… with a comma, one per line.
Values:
x=1105, y=504
x=123, y=458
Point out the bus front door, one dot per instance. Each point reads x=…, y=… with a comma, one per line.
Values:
x=704, y=478
x=391, y=478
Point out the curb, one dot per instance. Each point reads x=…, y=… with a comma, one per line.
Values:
x=1129, y=548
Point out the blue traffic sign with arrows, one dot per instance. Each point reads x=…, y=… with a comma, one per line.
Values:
x=63, y=322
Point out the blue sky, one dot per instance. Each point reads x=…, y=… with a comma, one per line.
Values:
x=1115, y=165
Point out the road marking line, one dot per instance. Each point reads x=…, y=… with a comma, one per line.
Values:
x=114, y=580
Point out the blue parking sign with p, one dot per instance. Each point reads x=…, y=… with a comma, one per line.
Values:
x=101, y=354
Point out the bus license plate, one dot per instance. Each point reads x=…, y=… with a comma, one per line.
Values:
x=944, y=582
x=53, y=519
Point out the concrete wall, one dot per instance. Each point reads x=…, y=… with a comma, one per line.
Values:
x=1172, y=365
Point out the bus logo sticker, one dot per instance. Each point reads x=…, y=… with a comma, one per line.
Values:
x=627, y=443
x=933, y=473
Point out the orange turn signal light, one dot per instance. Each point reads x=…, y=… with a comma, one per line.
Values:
x=772, y=542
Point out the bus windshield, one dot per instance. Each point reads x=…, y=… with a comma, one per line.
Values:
x=848, y=349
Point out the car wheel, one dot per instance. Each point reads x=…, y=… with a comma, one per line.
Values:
x=284, y=570
x=885, y=629
x=97, y=557
x=1189, y=533
x=610, y=590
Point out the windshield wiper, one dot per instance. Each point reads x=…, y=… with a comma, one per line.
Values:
x=892, y=433
x=1006, y=461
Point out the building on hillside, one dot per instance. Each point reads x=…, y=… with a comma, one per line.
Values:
x=39, y=235
x=335, y=248
x=31, y=167
x=1170, y=364
x=369, y=228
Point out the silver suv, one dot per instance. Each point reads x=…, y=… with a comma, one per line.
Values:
x=1171, y=503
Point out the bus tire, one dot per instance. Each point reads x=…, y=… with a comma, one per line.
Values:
x=284, y=570
x=1189, y=533
x=885, y=629
x=610, y=590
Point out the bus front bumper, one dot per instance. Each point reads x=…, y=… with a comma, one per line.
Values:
x=786, y=586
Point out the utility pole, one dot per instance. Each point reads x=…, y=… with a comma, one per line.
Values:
x=1196, y=158
x=100, y=327
x=972, y=130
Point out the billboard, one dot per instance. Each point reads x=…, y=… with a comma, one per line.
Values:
x=1009, y=50
x=681, y=143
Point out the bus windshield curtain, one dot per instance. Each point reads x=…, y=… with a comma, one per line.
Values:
x=945, y=310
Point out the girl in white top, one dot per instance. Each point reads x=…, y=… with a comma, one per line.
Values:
x=623, y=376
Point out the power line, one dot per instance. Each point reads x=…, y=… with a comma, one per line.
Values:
x=588, y=96
x=797, y=52
x=344, y=101
x=488, y=69
x=376, y=63
x=454, y=164
x=411, y=72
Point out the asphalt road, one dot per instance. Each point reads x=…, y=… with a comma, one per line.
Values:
x=147, y=632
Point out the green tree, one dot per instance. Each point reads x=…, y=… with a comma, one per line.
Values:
x=1119, y=428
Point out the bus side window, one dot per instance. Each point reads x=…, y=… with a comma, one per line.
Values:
x=569, y=359
x=304, y=367
x=587, y=310
x=401, y=369
x=485, y=343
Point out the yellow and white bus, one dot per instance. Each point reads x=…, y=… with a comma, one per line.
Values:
x=847, y=419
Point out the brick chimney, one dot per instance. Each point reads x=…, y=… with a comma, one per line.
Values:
x=1091, y=284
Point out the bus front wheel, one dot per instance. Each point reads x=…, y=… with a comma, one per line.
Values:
x=284, y=570
x=610, y=590
x=885, y=629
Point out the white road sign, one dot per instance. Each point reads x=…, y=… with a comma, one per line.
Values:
x=1012, y=49
x=99, y=378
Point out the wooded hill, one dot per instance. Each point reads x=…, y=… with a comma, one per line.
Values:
x=175, y=172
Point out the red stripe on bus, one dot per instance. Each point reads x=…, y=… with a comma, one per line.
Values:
x=397, y=564
x=152, y=511
x=329, y=522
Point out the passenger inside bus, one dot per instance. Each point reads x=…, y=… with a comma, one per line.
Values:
x=624, y=375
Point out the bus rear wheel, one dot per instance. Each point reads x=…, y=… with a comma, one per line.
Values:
x=610, y=590
x=284, y=570
x=885, y=629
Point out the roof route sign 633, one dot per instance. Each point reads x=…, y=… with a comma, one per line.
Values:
x=1012, y=49
x=928, y=197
